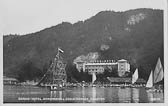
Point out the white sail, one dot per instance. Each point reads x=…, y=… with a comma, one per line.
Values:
x=135, y=76
x=93, y=77
x=158, y=72
x=149, y=84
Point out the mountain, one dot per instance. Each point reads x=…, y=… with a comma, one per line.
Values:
x=135, y=35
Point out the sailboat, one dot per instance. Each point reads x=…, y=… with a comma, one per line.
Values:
x=155, y=76
x=149, y=83
x=55, y=77
x=135, y=77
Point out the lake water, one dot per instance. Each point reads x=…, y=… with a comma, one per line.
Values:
x=33, y=94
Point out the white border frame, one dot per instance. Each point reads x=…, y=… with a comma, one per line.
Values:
x=98, y=104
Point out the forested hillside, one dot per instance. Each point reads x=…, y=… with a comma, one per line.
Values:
x=135, y=35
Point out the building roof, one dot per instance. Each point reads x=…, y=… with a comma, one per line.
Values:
x=122, y=60
x=9, y=79
x=100, y=64
x=124, y=80
x=119, y=80
x=140, y=80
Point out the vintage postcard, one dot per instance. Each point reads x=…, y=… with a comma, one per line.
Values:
x=84, y=52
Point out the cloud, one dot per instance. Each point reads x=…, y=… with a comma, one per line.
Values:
x=104, y=47
x=136, y=18
x=92, y=56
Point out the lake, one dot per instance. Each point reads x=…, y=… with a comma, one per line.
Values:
x=34, y=94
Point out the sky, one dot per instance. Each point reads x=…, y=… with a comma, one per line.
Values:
x=29, y=16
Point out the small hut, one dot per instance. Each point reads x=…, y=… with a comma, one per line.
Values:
x=9, y=81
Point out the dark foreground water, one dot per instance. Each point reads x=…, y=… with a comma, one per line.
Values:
x=33, y=94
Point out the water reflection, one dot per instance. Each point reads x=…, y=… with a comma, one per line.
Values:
x=56, y=94
x=155, y=97
x=60, y=94
x=150, y=96
x=83, y=93
x=53, y=94
x=135, y=95
x=89, y=94
x=124, y=95
x=93, y=94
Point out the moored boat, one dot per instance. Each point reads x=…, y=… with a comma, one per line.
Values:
x=56, y=88
x=134, y=78
x=155, y=77
x=55, y=77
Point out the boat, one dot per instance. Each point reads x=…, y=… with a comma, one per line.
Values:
x=155, y=77
x=134, y=78
x=123, y=86
x=93, y=85
x=55, y=77
x=56, y=88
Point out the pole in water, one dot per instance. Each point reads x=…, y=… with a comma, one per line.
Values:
x=93, y=77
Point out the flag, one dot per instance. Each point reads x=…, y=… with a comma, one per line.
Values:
x=135, y=76
x=158, y=72
x=60, y=50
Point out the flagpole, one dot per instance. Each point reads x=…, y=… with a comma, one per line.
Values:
x=58, y=52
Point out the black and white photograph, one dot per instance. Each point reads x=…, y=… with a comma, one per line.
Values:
x=83, y=51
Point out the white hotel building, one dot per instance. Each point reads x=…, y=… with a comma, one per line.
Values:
x=99, y=66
